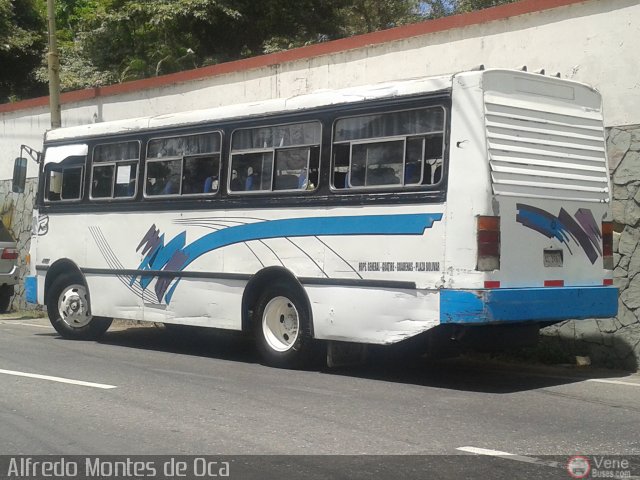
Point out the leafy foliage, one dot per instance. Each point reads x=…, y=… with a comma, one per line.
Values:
x=22, y=41
x=463, y=6
x=110, y=41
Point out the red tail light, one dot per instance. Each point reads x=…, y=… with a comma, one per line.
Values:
x=9, y=254
x=607, y=245
x=488, y=243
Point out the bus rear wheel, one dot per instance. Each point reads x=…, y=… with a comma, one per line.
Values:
x=282, y=327
x=69, y=310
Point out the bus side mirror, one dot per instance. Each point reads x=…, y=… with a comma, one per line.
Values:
x=19, y=175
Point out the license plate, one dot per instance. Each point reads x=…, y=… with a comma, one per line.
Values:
x=553, y=258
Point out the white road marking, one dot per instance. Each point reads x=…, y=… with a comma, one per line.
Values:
x=26, y=324
x=614, y=382
x=533, y=460
x=511, y=456
x=57, y=379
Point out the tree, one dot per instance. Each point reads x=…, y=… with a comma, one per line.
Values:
x=151, y=38
x=148, y=38
x=365, y=16
x=22, y=42
x=109, y=41
x=463, y=6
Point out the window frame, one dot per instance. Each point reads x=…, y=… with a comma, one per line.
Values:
x=396, y=188
x=47, y=181
x=307, y=167
x=274, y=151
x=368, y=141
x=148, y=160
x=115, y=163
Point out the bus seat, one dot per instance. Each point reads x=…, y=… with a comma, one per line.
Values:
x=208, y=184
x=412, y=173
x=286, y=182
x=382, y=176
x=303, y=180
x=253, y=181
x=170, y=187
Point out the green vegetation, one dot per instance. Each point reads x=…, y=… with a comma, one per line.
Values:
x=22, y=43
x=109, y=41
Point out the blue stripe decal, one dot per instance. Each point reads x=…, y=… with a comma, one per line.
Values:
x=175, y=255
x=527, y=304
x=31, y=289
x=407, y=224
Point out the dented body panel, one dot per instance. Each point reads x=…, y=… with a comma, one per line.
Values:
x=512, y=305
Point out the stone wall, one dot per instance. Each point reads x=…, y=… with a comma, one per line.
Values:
x=615, y=342
x=16, y=213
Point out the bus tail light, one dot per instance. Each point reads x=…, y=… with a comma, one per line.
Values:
x=607, y=245
x=9, y=254
x=488, y=243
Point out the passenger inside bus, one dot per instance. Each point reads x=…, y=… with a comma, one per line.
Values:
x=252, y=181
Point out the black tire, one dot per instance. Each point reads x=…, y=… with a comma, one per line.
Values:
x=6, y=292
x=69, y=294
x=283, y=349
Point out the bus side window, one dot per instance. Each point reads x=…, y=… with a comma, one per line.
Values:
x=388, y=149
x=114, y=170
x=376, y=164
x=53, y=190
x=433, y=159
x=253, y=171
x=163, y=177
x=64, y=179
x=275, y=157
x=102, y=182
x=200, y=174
x=183, y=165
x=296, y=168
x=341, y=154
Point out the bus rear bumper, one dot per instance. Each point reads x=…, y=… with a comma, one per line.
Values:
x=509, y=305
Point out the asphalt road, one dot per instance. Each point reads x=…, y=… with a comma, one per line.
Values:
x=150, y=392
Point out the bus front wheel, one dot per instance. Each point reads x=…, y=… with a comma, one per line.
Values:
x=282, y=327
x=69, y=310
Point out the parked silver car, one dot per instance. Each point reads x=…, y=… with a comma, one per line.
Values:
x=8, y=267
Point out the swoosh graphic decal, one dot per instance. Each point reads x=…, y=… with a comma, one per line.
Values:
x=175, y=255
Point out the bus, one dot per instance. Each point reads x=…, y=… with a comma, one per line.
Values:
x=470, y=204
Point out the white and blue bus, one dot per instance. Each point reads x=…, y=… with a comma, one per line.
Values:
x=368, y=215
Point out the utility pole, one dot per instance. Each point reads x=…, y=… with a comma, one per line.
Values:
x=54, y=68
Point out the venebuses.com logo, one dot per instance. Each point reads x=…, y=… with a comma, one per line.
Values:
x=578, y=466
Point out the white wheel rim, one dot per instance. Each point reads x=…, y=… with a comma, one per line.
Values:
x=73, y=306
x=280, y=324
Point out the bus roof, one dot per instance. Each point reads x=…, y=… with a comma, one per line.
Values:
x=319, y=98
